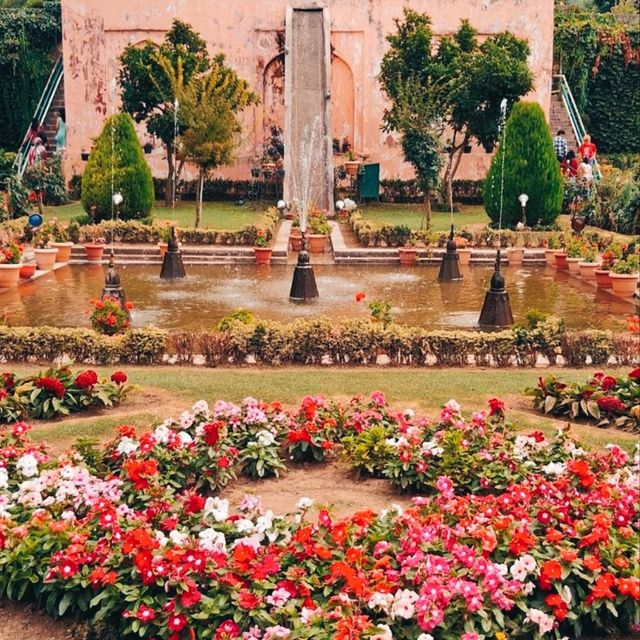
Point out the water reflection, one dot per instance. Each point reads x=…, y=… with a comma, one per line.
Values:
x=209, y=293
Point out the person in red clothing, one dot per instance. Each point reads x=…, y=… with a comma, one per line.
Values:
x=587, y=149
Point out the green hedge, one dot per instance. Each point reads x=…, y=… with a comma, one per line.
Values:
x=321, y=341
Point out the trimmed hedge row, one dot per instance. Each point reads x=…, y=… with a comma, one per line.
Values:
x=320, y=341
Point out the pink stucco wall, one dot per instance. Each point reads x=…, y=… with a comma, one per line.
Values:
x=248, y=32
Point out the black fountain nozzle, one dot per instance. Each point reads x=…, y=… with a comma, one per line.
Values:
x=303, y=285
x=112, y=286
x=450, y=265
x=172, y=265
x=496, y=310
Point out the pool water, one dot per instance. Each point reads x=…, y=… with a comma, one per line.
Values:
x=210, y=292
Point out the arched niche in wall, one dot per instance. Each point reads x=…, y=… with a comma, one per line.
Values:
x=342, y=100
x=273, y=95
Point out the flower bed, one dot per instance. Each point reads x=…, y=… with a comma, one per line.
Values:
x=57, y=392
x=604, y=399
x=127, y=538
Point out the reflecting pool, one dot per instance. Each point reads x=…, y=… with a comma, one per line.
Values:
x=209, y=293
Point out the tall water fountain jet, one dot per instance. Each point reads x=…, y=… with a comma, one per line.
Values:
x=496, y=310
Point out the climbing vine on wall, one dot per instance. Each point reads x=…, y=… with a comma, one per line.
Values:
x=601, y=60
x=28, y=38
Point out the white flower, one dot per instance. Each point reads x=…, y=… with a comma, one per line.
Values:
x=217, y=508
x=425, y=636
x=186, y=419
x=244, y=525
x=307, y=614
x=304, y=503
x=161, y=434
x=67, y=515
x=382, y=600
x=4, y=478
x=385, y=633
x=403, y=604
x=452, y=406
x=185, y=438
x=408, y=414
x=126, y=446
x=554, y=468
x=212, y=540
x=200, y=407
x=178, y=538
x=265, y=438
x=27, y=465
x=545, y=623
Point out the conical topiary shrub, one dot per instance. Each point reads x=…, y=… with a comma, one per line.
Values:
x=116, y=164
x=530, y=166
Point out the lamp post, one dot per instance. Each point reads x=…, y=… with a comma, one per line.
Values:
x=117, y=201
x=523, y=199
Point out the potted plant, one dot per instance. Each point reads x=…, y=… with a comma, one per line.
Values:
x=515, y=254
x=464, y=250
x=10, y=256
x=352, y=164
x=295, y=236
x=552, y=247
x=588, y=263
x=45, y=255
x=261, y=248
x=318, y=231
x=624, y=276
x=574, y=250
x=94, y=248
x=408, y=253
x=603, y=274
x=57, y=238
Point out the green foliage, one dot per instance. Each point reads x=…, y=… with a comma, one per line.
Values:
x=47, y=176
x=28, y=35
x=530, y=166
x=617, y=201
x=601, y=60
x=368, y=451
x=116, y=164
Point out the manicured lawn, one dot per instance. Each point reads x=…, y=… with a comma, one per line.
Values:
x=423, y=390
x=411, y=216
x=215, y=215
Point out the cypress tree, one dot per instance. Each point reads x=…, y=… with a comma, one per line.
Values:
x=530, y=166
x=116, y=164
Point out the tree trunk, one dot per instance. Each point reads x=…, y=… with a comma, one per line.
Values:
x=199, y=198
x=168, y=185
x=426, y=217
x=455, y=156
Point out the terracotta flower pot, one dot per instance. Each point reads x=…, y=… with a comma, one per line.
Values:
x=263, y=255
x=94, y=252
x=351, y=167
x=624, y=284
x=516, y=256
x=295, y=240
x=587, y=269
x=603, y=281
x=561, y=260
x=572, y=264
x=27, y=271
x=550, y=256
x=64, y=250
x=9, y=274
x=408, y=255
x=464, y=256
x=45, y=258
x=317, y=243
x=163, y=248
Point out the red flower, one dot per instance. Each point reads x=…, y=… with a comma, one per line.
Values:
x=248, y=601
x=9, y=380
x=550, y=571
x=224, y=462
x=145, y=613
x=602, y=588
x=212, y=433
x=52, y=385
x=228, y=629
x=139, y=471
x=176, y=622
x=496, y=407
x=611, y=404
x=635, y=374
x=360, y=296
x=194, y=504
x=119, y=377
x=608, y=382
x=68, y=568
x=86, y=379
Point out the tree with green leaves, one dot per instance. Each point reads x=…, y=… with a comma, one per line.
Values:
x=464, y=81
x=530, y=166
x=146, y=88
x=209, y=104
x=117, y=165
x=415, y=101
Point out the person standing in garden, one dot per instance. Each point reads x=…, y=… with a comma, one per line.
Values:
x=61, y=131
x=560, y=145
x=587, y=149
x=585, y=172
